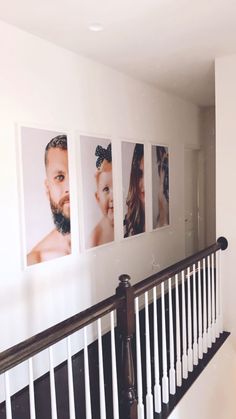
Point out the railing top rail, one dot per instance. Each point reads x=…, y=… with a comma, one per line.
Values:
x=26, y=349
x=156, y=279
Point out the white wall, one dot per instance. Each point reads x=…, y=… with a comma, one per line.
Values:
x=213, y=393
x=225, y=77
x=208, y=155
x=44, y=85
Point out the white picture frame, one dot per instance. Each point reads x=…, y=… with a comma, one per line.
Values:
x=36, y=214
x=160, y=186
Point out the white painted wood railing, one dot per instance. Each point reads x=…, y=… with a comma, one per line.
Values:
x=176, y=316
x=108, y=403
x=187, y=319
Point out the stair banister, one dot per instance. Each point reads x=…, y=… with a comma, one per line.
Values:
x=123, y=302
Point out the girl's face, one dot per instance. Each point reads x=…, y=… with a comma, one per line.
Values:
x=104, y=194
x=141, y=182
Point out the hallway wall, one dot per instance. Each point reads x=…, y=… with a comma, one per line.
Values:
x=208, y=155
x=225, y=179
x=49, y=87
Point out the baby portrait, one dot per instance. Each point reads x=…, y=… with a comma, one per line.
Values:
x=133, y=188
x=96, y=157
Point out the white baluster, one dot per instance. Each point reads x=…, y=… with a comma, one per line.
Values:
x=200, y=340
x=149, y=396
x=190, y=349
x=86, y=378
x=70, y=380
x=195, y=345
x=178, y=349
x=31, y=389
x=220, y=293
x=172, y=368
x=204, y=338
x=114, y=370
x=184, y=330
x=209, y=330
x=165, y=381
x=7, y=396
x=139, y=363
x=213, y=328
x=101, y=373
x=157, y=387
x=52, y=386
x=217, y=328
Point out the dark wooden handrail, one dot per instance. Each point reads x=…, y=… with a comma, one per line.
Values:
x=26, y=349
x=156, y=279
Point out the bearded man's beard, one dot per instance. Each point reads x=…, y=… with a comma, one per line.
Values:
x=61, y=221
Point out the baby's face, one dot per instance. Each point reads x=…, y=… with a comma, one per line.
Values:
x=104, y=194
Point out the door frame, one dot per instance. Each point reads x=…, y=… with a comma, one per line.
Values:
x=200, y=195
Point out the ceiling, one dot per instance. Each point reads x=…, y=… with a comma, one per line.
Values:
x=168, y=43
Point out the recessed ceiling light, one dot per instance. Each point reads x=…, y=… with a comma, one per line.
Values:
x=96, y=27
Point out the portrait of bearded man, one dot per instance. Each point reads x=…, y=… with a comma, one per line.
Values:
x=58, y=242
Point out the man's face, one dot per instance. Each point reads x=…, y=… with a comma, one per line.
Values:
x=57, y=186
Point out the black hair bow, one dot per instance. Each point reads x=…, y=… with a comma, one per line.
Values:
x=103, y=154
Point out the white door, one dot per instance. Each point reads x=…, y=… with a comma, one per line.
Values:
x=191, y=166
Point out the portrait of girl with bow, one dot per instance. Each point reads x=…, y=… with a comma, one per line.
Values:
x=98, y=191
